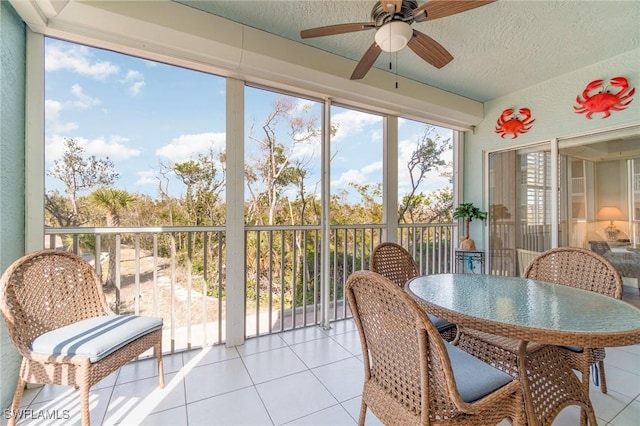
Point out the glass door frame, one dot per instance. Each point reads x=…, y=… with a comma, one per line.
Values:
x=553, y=143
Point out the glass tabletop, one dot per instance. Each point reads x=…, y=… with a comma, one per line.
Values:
x=525, y=303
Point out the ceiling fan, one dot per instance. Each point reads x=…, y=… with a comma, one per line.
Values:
x=392, y=21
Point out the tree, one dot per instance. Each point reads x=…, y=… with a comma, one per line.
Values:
x=425, y=158
x=58, y=209
x=285, y=128
x=111, y=201
x=203, y=186
x=78, y=172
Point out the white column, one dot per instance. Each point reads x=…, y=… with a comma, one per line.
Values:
x=325, y=219
x=555, y=199
x=235, y=262
x=390, y=178
x=34, y=142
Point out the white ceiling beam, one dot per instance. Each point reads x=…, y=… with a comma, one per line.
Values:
x=171, y=32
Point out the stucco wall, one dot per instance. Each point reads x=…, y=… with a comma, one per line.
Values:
x=12, y=105
x=551, y=104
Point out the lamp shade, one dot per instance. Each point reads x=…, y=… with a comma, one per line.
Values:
x=393, y=36
x=609, y=213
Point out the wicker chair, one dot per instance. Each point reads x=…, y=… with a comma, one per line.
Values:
x=412, y=376
x=394, y=262
x=585, y=269
x=58, y=320
x=569, y=266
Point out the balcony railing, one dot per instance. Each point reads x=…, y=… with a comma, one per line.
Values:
x=178, y=273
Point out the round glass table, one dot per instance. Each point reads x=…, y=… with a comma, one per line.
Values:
x=528, y=309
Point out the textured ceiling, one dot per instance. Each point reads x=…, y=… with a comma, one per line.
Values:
x=497, y=49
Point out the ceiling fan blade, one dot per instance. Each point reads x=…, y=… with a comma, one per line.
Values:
x=366, y=62
x=441, y=8
x=429, y=49
x=336, y=29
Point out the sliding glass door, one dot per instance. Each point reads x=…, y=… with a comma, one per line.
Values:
x=601, y=191
x=596, y=205
x=519, y=207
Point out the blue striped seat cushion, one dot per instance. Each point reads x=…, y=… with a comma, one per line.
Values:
x=95, y=337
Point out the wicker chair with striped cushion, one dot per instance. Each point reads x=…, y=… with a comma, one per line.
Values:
x=58, y=320
x=395, y=263
x=412, y=376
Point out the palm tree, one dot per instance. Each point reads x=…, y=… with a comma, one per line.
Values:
x=468, y=212
x=112, y=201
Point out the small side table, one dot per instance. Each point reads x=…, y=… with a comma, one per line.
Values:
x=469, y=261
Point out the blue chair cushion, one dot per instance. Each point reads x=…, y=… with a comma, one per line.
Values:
x=440, y=323
x=95, y=337
x=578, y=349
x=474, y=378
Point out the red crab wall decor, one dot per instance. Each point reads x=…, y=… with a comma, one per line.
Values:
x=600, y=98
x=510, y=124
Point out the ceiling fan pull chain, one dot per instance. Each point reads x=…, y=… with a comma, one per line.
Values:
x=396, y=70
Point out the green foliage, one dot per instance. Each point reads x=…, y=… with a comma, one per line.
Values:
x=468, y=212
x=280, y=266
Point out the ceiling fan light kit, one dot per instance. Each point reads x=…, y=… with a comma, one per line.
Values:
x=392, y=20
x=393, y=36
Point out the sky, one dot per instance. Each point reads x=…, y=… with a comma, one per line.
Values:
x=141, y=114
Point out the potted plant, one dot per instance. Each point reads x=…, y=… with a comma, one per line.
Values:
x=468, y=212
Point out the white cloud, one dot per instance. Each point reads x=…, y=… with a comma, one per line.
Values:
x=372, y=168
x=351, y=122
x=136, y=87
x=185, y=146
x=135, y=80
x=53, y=147
x=306, y=151
x=350, y=176
x=78, y=59
x=361, y=176
x=52, y=111
x=83, y=101
x=376, y=134
x=115, y=147
x=133, y=75
x=147, y=177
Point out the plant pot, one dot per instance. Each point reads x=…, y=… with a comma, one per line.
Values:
x=467, y=244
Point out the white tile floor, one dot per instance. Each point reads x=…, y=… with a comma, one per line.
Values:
x=302, y=377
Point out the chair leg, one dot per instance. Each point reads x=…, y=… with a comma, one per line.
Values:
x=363, y=413
x=158, y=350
x=592, y=418
x=15, y=405
x=586, y=376
x=603, y=380
x=84, y=404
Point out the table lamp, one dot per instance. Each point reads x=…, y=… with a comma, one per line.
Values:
x=610, y=213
